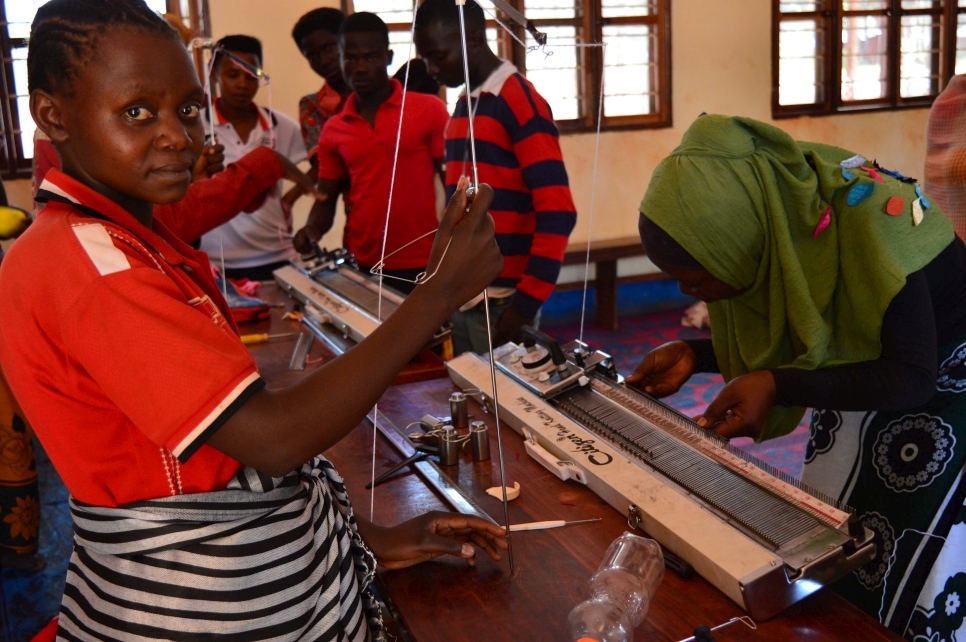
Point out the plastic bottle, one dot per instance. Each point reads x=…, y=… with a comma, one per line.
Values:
x=621, y=591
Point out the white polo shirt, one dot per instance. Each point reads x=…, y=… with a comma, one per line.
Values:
x=264, y=236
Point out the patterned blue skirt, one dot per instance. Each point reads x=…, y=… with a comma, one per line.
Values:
x=903, y=474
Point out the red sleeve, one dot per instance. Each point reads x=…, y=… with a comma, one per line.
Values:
x=331, y=164
x=167, y=366
x=241, y=187
x=438, y=117
x=45, y=159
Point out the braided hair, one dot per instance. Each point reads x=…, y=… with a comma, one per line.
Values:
x=64, y=36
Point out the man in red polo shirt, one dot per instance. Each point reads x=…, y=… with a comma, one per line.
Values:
x=357, y=146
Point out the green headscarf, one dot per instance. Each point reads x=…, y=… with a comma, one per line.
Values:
x=744, y=199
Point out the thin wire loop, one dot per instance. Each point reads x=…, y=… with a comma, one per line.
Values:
x=379, y=268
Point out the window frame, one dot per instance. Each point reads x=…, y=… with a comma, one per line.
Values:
x=829, y=58
x=588, y=19
x=13, y=165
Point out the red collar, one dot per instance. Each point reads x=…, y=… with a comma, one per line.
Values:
x=221, y=120
x=330, y=100
x=394, y=100
x=160, y=238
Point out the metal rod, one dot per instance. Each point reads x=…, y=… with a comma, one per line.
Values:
x=210, y=68
x=496, y=418
x=486, y=296
x=469, y=105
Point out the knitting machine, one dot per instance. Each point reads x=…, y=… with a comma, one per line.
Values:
x=335, y=293
x=758, y=535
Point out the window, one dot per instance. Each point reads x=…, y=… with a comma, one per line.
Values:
x=845, y=55
x=636, y=62
x=16, y=126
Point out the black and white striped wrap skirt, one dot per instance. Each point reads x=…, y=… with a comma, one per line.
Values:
x=265, y=559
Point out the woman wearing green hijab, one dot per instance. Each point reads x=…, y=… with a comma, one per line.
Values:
x=832, y=284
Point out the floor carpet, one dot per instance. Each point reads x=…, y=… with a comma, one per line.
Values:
x=28, y=600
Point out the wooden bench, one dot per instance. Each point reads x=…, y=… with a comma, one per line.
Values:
x=604, y=254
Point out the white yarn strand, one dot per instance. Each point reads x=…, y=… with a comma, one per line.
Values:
x=593, y=194
x=469, y=102
x=600, y=113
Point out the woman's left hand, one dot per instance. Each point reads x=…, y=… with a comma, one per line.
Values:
x=741, y=408
x=432, y=535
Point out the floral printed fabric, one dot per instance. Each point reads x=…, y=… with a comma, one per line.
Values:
x=903, y=472
x=19, y=500
x=314, y=110
x=941, y=610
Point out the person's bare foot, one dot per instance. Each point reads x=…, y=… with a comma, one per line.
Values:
x=22, y=561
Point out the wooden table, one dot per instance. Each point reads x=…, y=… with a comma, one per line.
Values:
x=273, y=357
x=448, y=601
x=604, y=254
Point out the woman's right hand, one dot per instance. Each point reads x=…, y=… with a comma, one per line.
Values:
x=465, y=258
x=665, y=369
x=211, y=162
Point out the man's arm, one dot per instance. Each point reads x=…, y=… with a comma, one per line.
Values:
x=216, y=200
x=320, y=218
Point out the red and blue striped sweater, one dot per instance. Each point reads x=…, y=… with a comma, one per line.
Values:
x=518, y=155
